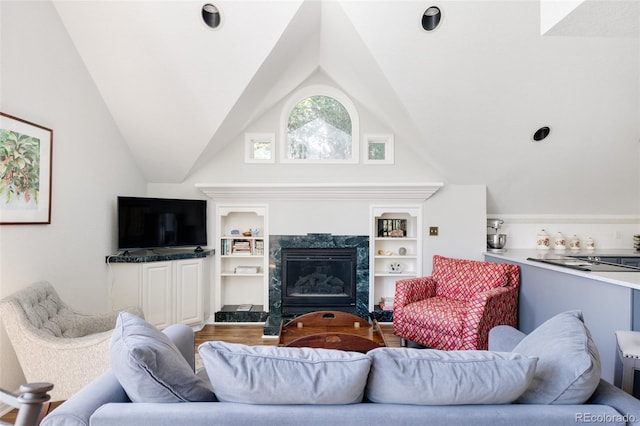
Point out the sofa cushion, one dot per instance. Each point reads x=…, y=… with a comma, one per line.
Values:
x=434, y=377
x=150, y=367
x=281, y=375
x=461, y=279
x=568, y=370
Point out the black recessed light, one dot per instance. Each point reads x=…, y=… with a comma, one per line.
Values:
x=431, y=18
x=211, y=16
x=541, y=133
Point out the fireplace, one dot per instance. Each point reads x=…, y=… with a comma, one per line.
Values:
x=318, y=279
x=278, y=244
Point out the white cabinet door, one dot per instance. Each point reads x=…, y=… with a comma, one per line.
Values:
x=189, y=279
x=157, y=293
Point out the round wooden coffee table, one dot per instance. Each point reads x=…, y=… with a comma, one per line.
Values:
x=331, y=330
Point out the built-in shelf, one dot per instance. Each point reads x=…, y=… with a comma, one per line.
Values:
x=241, y=265
x=396, y=235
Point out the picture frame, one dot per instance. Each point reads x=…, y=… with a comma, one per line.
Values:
x=259, y=147
x=378, y=149
x=25, y=171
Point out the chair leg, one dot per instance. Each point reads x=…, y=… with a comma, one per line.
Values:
x=403, y=342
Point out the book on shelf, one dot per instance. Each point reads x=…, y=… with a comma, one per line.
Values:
x=242, y=247
x=392, y=227
x=244, y=307
x=259, y=247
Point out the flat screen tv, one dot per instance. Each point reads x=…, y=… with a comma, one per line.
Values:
x=148, y=223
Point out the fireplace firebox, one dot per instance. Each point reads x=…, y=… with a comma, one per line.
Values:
x=318, y=279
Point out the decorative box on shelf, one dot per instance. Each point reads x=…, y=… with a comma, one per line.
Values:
x=246, y=269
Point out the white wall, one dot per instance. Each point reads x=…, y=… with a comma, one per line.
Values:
x=44, y=81
x=458, y=210
x=459, y=213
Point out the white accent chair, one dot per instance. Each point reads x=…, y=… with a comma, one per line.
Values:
x=55, y=343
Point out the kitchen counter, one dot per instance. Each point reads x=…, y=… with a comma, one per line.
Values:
x=609, y=301
x=627, y=279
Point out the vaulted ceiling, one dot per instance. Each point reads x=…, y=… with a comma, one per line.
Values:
x=467, y=96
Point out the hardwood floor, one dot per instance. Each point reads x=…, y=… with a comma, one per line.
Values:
x=245, y=334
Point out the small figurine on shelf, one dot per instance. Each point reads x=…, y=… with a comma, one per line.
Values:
x=395, y=268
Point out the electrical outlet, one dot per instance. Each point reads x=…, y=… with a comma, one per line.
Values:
x=433, y=231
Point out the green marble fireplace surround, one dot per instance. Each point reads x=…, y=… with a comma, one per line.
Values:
x=319, y=241
x=278, y=242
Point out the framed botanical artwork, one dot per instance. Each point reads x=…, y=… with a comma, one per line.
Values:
x=25, y=171
x=378, y=149
x=259, y=147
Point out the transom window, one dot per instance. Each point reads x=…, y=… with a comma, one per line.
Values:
x=319, y=124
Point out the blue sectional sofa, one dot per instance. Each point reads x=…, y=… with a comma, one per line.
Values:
x=405, y=383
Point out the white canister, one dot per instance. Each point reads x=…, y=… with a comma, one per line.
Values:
x=574, y=243
x=544, y=242
x=590, y=244
x=559, y=242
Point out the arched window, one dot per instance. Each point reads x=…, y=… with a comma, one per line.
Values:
x=319, y=125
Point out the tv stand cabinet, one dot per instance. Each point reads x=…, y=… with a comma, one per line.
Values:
x=169, y=288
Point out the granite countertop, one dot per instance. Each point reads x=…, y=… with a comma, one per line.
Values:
x=158, y=255
x=626, y=279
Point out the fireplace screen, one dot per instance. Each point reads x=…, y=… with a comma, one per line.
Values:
x=318, y=279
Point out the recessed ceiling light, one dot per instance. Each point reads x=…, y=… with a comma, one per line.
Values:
x=211, y=16
x=541, y=133
x=431, y=18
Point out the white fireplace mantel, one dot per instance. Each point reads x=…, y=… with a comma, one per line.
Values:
x=416, y=192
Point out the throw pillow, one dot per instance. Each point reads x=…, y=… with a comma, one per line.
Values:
x=461, y=279
x=281, y=375
x=434, y=377
x=568, y=369
x=150, y=367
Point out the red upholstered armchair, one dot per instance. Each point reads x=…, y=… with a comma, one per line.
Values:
x=458, y=304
